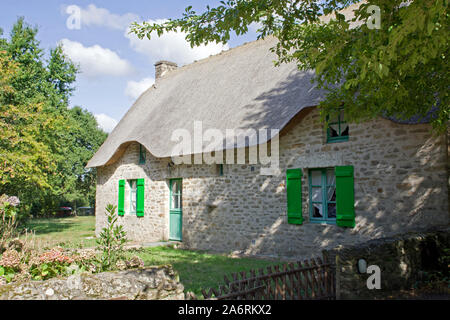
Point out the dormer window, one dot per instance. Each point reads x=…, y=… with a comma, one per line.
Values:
x=142, y=154
x=338, y=129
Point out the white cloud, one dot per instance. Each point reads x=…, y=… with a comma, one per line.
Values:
x=172, y=46
x=96, y=61
x=101, y=17
x=105, y=122
x=135, y=88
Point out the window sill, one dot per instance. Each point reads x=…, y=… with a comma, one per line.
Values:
x=336, y=140
x=326, y=223
x=129, y=214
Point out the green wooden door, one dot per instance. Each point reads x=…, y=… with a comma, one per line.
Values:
x=176, y=211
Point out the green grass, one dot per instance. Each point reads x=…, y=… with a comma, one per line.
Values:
x=65, y=232
x=199, y=270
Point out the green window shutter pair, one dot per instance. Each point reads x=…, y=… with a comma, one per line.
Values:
x=294, y=196
x=345, y=196
x=140, y=184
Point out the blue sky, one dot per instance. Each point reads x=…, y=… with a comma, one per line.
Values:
x=115, y=66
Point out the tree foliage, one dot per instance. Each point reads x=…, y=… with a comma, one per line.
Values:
x=44, y=145
x=399, y=70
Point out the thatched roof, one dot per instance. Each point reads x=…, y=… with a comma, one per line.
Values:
x=237, y=89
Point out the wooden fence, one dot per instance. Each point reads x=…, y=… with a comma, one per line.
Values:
x=313, y=279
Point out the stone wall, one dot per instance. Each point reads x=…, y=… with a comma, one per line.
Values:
x=157, y=283
x=401, y=259
x=400, y=185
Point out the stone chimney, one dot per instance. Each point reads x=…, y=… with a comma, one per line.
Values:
x=163, y=67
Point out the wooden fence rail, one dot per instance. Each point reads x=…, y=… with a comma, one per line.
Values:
x=310, y=279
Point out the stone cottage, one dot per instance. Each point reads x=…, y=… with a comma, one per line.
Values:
x=340, y=185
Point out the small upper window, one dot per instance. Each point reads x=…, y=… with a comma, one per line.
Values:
x=338, y=129
x=142, y=154
x=219, y=169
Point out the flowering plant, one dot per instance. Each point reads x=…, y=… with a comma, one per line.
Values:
x=9, y=264
x=50, y=264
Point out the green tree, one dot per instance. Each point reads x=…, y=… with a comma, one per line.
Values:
x=63, y=139
x=87, y=137
x=398, y=70
x=26, y=161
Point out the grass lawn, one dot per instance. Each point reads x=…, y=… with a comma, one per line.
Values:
x=73, y=232
x=200, y=270
x=197, y=270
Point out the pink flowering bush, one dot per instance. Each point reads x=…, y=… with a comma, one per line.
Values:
x=10, y=259
x=50, y=264
x=10, y=264
x=55, y=255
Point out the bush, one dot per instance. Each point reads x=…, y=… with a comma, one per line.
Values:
x=111, y=240
x=50, y=264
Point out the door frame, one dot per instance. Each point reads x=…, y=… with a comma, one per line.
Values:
x=180, y=211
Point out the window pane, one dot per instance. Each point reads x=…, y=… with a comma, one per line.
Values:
x=176, y=187
x=344, y=129
x=317, y=210
x=332, y=210
x=175, y=201
x=133, y=196
x=317, y=195
x=334, y=130
x=342, y=116
x=133, y=206
x=133, y=201
x=331, y=179
x=316, y=178
x=331, y=194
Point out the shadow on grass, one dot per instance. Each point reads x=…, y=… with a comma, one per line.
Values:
x=41, y=228
x=55, y=225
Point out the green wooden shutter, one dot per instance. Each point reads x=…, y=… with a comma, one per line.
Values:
x=140, y=185
x=121, y=206
x=294, y=196
x=345, y=197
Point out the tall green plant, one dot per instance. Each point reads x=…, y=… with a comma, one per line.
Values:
x=111, y=240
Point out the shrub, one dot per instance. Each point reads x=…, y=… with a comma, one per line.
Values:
x=111, y=240
x=9, y=264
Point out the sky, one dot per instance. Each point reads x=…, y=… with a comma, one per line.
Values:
x=115, y=66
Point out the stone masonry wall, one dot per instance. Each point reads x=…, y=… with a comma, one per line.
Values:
x=401, y=259
x=400, y=185
x=153, y=283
